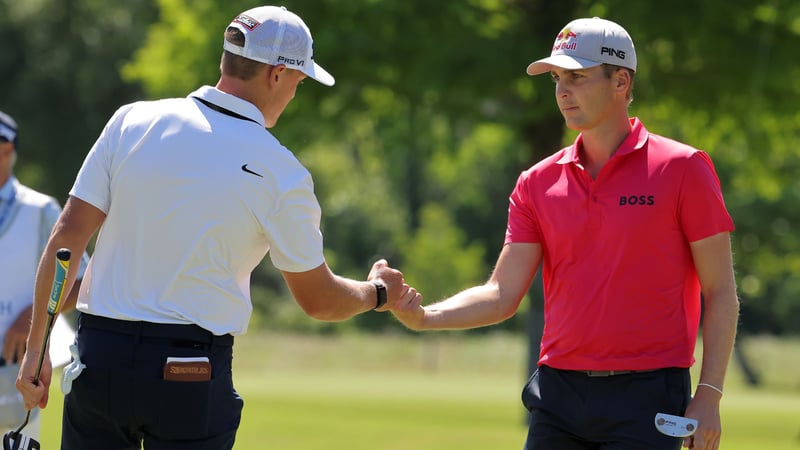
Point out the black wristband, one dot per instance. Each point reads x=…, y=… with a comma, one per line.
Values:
x=381, y=293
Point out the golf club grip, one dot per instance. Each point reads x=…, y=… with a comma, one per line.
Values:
x=59, y=279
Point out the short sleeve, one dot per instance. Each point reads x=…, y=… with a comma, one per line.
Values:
x=523, y=224
x=93, y=183
x=702, y=212
x=293, y=228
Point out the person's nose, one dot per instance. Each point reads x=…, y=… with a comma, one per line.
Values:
x=561, y=89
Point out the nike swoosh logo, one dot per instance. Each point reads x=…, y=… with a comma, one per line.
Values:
x=244, y=167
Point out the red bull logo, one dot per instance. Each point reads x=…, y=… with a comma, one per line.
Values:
x=564, y=40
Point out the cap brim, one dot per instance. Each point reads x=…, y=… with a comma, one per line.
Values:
x=560, y=61
x=318, y=73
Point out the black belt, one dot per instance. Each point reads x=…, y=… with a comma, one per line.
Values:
x=179, y=332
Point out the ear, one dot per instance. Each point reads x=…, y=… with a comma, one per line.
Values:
x=623, y=78
x=275, y=73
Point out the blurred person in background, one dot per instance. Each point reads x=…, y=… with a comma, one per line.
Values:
x=26, y=220
x=630, y=228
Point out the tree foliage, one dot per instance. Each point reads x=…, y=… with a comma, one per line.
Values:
x=59, y=66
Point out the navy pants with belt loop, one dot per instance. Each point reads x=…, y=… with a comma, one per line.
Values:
x=121, y=400
x=572, y=410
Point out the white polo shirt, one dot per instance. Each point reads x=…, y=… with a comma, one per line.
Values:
x=194, y=200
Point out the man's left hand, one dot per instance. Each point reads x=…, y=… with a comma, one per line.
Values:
x=704, y=407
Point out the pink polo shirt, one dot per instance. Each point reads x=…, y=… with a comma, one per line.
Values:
x=620, y=287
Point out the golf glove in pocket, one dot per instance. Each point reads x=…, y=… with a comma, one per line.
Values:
x=71, y=370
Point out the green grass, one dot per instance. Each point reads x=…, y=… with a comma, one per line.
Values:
x=440, y=391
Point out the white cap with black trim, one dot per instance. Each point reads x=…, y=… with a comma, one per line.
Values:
x=273, y=35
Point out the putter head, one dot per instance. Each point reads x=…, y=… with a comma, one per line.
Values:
x=675, y=426
x=14, y=440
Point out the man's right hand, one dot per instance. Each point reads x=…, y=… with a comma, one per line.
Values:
x=410, y=312
x=34, y=394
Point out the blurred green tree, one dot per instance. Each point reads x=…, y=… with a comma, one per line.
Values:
x=59, y=66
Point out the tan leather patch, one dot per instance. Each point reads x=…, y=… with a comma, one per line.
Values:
x=187, y=369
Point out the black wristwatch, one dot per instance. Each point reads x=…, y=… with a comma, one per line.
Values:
x=381, y=291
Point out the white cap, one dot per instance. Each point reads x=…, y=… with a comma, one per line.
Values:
x=273, y=35
x=586, y=43
x=8, y=128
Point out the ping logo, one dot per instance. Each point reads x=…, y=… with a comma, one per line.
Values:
x=247, y=21
x=563, y=40
x=637, y=200
x=612, y=52
x=292, y=61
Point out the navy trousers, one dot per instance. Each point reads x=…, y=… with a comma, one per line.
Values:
x=121, y=401
x=574, y=411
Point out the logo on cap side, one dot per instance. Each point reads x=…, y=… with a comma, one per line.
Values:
x=292, y=61
x=247, y=21
x=610, y=51
x=563, y=40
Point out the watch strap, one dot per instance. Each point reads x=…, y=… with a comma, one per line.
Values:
x=380, y=289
